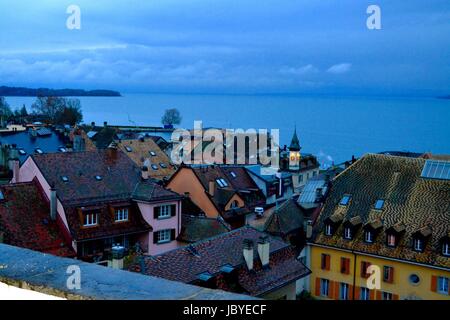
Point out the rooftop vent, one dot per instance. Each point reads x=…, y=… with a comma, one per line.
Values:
x=65, y=179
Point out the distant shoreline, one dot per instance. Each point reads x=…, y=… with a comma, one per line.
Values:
x=28, y=92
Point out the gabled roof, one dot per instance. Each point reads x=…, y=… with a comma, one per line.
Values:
x=411, y=203
x=139, y=150
x=287, y=218
x=197, y=228
x=25, y=220
x=211, y=255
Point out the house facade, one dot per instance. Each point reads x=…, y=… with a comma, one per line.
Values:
x=100, y=199
x=386, y=219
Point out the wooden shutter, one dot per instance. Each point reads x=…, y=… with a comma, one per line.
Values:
x=317, y=289
x=364, y=266
x=372, y=294
x=336, y=290
x=155, y=236
x=327, y=262
x=395, y=297
x=434, y=283
x=345, y=265
x=172, y=234
x=156, y=211
x=357, y=295
x=350, y=292
x=391, y=275
x=331, y=289
x=173, y=210
x=379, y=296
x=323, y=262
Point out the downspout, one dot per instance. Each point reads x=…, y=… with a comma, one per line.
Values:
x=354, y=274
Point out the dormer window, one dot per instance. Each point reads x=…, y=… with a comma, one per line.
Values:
x=418, y=244
x=121, y=215
x=391, y=240
x=446, y=249
x=379, y=204
x=328, y=229
x=348, y=233
x=368, y=236
x=90, y=219
x=222, y=183
x=154, y=167
x=345, y=200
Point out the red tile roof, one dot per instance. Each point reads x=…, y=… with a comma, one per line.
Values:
x=25, y=220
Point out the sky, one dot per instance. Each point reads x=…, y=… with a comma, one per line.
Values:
x=234, y=47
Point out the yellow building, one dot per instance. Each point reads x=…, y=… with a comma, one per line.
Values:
x=387, y=212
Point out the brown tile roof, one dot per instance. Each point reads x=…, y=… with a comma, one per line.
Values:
x=196, y=228
x=119, y=176
x=89, y=145
x=139, y=151
x=210, y=255
x=25, y=220
x=412, y=204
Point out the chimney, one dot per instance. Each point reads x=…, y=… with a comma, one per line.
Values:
x=212, y=186
x=105, y=124
x=308, y=229
x=144, y=173
x=118, y=253
x=52, y=203
x=14, y=164
x=248, y=253
x=93, y=124
x=264, y=251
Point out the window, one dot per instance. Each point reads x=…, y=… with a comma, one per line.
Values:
x=379, y=204
x=164, y=212
x=154, y=167
x=386, y=295
x=234, y=204
x=391, y=241
x=343, y=291
x=162, y=165
x=328, y=230
x=388, y=274
x=368, y=236
x=153, y=154
x=222, y=183
x=163, y=236
x=364, y=294
x=300, y=178
x=128, y=149
x=233, y=174
x=348, y=233
x=345, y=200
x=121, y=215
x=442, y=286
x=418, y=244
x=345, y=265
x=325, y=261
x=446, y=249
x=314, y=173
x=364, y=269
x=324, y=287
x=90, y=219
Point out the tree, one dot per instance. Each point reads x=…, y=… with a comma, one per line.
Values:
x=59, y=110
x=5, y=110
x=23, y=111
x=171, y=117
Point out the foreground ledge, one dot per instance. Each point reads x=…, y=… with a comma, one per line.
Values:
x=48, y=274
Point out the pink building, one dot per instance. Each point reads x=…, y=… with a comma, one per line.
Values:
x=100, y=199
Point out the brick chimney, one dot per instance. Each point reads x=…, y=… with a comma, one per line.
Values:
x=264, y=251
x=212, y=187
x=248, y=253
x=14, y=164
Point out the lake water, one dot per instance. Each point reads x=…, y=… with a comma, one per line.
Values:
x=334, y=128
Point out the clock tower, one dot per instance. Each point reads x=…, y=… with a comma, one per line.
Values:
x=294, y=152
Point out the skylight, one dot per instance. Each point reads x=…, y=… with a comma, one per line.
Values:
x=162, y=165
x=345, y=200
x=152, y=153
x=98, y=178
x=22, y=152
x=233, y=174
x=222, y=183
x=39, y=150
x=434, y=169
x=154, y=167
x=62, y=149
x=379, y=204
x=64, y=178
x=128, y=149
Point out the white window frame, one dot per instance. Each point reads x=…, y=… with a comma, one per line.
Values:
x=387, y=296
x=446, y=249
x=368, y=236
x=328, y=229
x=343, y=291
x=347, y=233
x=164, y=236
x=418, y=244
x=121, y=215
x=165, y=211
x=442, y=285
x=364, y=294
x=90, y=219
x=324, y=284
x=389, y=238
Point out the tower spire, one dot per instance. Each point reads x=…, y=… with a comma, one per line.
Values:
x=295, y=143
